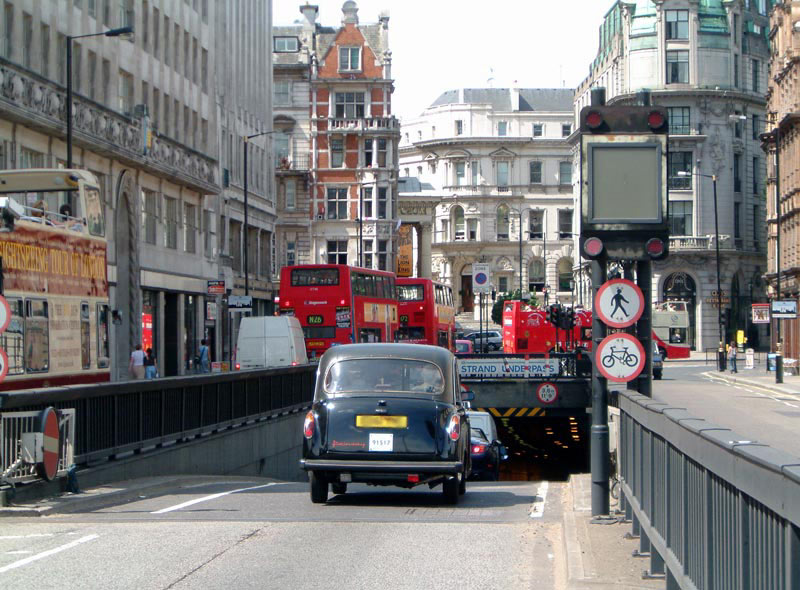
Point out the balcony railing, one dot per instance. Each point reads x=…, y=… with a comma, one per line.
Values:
x=698, y=242
x=364, y=123
x=293, y=163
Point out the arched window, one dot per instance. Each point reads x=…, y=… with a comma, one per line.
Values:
x=536, y=275
x=458, y=222
x=565, y=274
x=502, y=223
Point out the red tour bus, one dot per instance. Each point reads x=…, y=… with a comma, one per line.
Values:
x=339, y=304
x=527, y=330
x=427, y=313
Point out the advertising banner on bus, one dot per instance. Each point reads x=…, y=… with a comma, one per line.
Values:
x=53, y=262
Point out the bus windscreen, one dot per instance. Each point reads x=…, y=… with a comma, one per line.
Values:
x=306, y=277
x=410, y=292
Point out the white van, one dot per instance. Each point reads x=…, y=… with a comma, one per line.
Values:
x=270, y=341
x=485, y=422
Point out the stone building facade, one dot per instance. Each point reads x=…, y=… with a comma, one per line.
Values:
x=144, y=118
x=243, y=96
x=783, y=108
x=706, y=62
x=486, y=176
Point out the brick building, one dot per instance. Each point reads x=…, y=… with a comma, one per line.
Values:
x=783, y=113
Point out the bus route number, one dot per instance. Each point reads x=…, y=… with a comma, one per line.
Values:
x=314, y=319
x=403, y=319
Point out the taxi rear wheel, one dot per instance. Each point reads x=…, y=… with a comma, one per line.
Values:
x=462, y=485
x=319, y=488
x=450, y=490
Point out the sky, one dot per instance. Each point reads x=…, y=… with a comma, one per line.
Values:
x=440, y=45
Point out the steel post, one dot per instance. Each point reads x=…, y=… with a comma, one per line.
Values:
x=644, y=327
x=599, y=435
x=246, y=273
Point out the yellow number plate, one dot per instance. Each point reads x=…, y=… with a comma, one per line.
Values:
x=381, y=421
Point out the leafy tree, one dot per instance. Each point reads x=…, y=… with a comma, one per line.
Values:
x=497, y=308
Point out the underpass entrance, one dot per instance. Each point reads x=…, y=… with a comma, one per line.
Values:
x=542, y=443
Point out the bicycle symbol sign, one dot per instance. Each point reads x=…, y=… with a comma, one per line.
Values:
x=621, y=357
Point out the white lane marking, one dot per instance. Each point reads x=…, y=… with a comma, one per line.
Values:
x=537, y=509
x=214, y=497
x=18, y=552
x=7, y=537
x=47, y=553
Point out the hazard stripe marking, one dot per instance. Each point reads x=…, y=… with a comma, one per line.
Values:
x=521, y=412
x=495, y=412
x=509, y=412
x=534, y=411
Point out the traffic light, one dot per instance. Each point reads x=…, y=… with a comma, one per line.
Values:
x=554, y=314
x=624, y=210
x=567, y=319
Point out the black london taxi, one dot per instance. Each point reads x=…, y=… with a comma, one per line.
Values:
x=387, y=414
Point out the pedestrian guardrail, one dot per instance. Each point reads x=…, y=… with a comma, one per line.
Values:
x=113, y=419
x=711, y=509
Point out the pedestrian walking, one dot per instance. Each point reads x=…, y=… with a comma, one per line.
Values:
x=150, y=364
x=205, y=361
x=732, y=357
x=136, y=366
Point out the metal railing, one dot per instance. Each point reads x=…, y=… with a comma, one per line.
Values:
x=124, y=417
x=712, y=510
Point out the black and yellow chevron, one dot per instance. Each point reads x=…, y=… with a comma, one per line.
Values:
x=515, y=412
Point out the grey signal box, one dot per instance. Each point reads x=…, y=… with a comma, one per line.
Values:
x=623, y=181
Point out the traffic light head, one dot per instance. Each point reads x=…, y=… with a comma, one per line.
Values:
x=623, y=119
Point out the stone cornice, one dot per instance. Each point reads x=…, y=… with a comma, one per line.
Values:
x=39, y=103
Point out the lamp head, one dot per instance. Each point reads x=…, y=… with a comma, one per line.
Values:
x=125, y=32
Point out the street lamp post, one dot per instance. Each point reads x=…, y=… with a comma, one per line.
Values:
x=110, y=33
x=247, y=139
x=721, y=349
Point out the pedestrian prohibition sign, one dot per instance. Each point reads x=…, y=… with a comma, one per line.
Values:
x=621, y=357
x=619, y=303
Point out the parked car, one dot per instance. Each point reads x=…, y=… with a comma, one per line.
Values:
x=658, y=361
x=464, y=347
x=387, y=414
x=486, y=341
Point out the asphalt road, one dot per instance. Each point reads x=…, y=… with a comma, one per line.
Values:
x=754, y=413
x=250, y=533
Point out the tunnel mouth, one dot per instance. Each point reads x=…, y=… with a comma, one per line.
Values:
x=542, y=444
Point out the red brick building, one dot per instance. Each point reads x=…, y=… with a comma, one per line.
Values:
x=354, y=136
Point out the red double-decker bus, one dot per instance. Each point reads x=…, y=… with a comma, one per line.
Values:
x=427, y=313
x=339, y=304
x=527, y=330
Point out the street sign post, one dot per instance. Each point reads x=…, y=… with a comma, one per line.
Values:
x=480, y=278
x=619, y=303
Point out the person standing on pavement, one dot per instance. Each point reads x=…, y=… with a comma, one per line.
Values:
x=136, y=366
x=150, y=365
x=205, y=362
x=732, y=357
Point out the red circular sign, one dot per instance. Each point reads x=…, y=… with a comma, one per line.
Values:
x=5, y=314
x=620, y=357
x=547, y=393
x=48, y=426
x=619, y=303
x=4, y=362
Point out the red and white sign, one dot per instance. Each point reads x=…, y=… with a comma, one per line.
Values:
x=5, y=314
x=761, y=313
x=4, y=363
x=619, y=303
x=547, y=393
x=621, y=357
x=48, y=425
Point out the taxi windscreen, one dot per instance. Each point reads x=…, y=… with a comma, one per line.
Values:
x=376, y=375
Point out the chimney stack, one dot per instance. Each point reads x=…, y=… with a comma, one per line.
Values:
x=350, y=13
